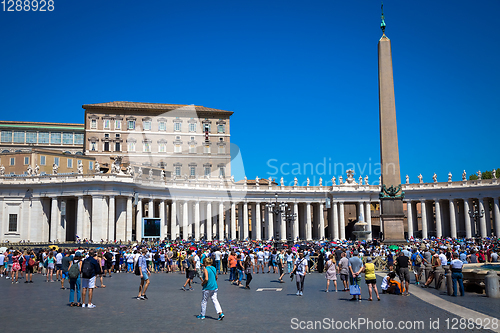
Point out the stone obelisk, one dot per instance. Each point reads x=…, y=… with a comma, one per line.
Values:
x=391, y=195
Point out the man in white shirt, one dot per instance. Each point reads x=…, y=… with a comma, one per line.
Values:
x=59, y=257
x=217, y=255
x=260, y=261
x=444, y=260
x=197, y=266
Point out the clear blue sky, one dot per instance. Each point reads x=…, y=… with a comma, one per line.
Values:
x=301, y=76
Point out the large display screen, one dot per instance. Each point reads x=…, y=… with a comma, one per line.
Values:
x=150, y=228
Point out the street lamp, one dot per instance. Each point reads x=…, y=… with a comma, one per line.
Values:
x=475, y=214
x=285, y=210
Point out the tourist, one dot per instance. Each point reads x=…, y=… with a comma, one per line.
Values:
x=403, y=263
x=30, y=264
x=417, y=259
x=89, y=268
x=435, y=262
x=370, y=278
x=209, y=289
x=2, y=263
x=299, y=270
x=65, y=263
x=50, y=263
x=144, y=273
x=343, y=268
x=289, y=261
x=240, y=268
x=190, y=271
x=59, y=257
x=260, y=260
x=224, y=261
x=248, y=271
x=16, y=267
x=232, y=267
x=390, y=261
x=108, y=263
x=456, y=274
x=101, y=261
x=331, y=272
x=266, y=259
x=390, y=285
x=74, y=280
x=355, y=267
x=130, y=262
x=281, y=263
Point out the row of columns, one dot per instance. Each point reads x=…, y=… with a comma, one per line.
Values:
x=449, y=215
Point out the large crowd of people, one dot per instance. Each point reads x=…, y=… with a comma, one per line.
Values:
x=346, y=261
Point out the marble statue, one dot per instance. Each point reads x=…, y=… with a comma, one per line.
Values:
x=350, y=177
x=232, y=179
x=185, y=176
x=435, y=178
x=479, y=175
x=282, y=182
x=366, y=180
x=55, y=167
x=380, y=179
x=420, y=179
x=308, y=181
x=494, y=174
x=130, y=171
x=407, y=179
x=295, y=181
x=464, y=176
x=245, y=180
x=2, y=170
x=80, y=168
x=341, y=180
x=334, y=181
x=320, y=181
x=162, y=175
x=360, y=180
x=449, y=176
x=29, y=171
x=97, y=167
x=37, y=170
x=270, y=181
x=139, y=172
x=115, y=167
x=150, y=174
x=257, y=183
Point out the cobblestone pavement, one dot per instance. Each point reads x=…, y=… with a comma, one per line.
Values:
x=44, y=307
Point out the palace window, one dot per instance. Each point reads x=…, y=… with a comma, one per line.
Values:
x=30, y=137
x=177, y=127
x=70, y=163
x=221, y=149
x=55, y=138
x=221, y=128
x=222, y=172
x=177, y=149
x=91, y=165
x=43, y=137
x=147, y=147
x=93, y=146
x=162, y=126
x=78, y=138
x=147, y=125
x=107, y=123
x=206, y=149
x=192, y=149
x=6, y=136
x=56, y=161
x=192, y=171
x=106, y=146
x=131, y=124
x=18, y=137
x=118, y=146
x=207, y=171
x=42, y=160
x=178, y=170
x=12, y=222
x=192, y=127
x=12, y=161
x=118, y=124
x=162, y=148
x=26, y=160
x=131, y=146
x=93, y=123
x=68, y=138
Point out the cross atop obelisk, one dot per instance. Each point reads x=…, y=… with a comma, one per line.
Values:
x=391, y=195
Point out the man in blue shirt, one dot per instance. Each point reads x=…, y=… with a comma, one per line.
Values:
x=144, y=273
x=417, y=265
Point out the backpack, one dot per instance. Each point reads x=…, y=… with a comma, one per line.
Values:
x=21, y=260
x=137, y=270
x=87, y=269
x=74, y=271
x=418, y=259
x=31, y=262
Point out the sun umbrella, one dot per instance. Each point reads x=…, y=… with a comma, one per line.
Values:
x=54, y=247
x=393, y=247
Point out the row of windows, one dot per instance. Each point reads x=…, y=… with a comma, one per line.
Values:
x=162, y=148
x=147, y=126
x=192, y=171
x=66, y=138
x=43, y=161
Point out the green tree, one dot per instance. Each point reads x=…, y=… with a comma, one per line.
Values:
x=485, y=175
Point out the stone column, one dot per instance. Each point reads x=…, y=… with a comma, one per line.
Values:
x=496, y=215
x=487, y=215
x=283, y=227
x=439, y=223
x=138, y=221
x=270, y=223
x=368, y=217
x=321, y=221
x=79, y=217
x=409, y=212
x=98, y=225
x=128, y=227
x=111, y=218
x=342, y=220
x=185, y=216
x=468, y=230
x=233, y=220
x=161, y=208
x=295, y=233
x=173, y=221
x=424, y=219
x=482, y=221
x=197, y=220
x=258, y=223
x=453, y=219
x=361, y=210
x=308, y=222
x=245, y=220
x=221, y=220
x=227, y=222
x=55, y=215
x=335, y=220
x=209, y=221
x=151, y=209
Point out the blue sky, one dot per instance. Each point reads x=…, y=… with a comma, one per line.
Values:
x=301, y=76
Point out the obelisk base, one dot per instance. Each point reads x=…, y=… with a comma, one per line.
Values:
x=394, y=232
